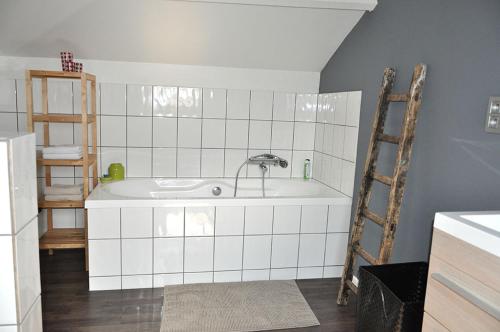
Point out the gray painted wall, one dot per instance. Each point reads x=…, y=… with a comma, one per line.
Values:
x=456, y=164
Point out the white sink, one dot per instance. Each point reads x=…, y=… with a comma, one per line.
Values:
x=480, y=229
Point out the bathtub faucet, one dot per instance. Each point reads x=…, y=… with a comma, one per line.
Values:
x=263, y=160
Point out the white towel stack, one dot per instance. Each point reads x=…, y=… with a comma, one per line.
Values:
x=62, y=152
x=64, y=192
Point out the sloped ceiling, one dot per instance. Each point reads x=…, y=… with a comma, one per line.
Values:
x=280, y=34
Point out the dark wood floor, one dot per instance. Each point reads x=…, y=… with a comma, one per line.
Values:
x=69, y=306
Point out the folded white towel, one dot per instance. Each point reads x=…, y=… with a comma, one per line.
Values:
x=64, y=189
x=63, y=197
x=72, y=156
x=58, y=149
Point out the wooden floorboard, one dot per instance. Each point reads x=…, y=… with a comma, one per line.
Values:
x=69, y=306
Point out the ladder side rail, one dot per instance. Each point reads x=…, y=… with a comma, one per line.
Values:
x=403, y=159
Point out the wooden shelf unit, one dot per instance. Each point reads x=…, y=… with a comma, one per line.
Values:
x=65, y=238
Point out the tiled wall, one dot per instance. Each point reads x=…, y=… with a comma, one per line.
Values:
x=215, y=244
x=161, y=131
x=336, y=139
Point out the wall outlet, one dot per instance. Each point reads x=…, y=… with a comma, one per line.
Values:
x=493, y=116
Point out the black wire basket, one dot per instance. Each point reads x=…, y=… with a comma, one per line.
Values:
x=391, y=297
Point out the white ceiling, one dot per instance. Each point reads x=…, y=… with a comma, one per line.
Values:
x=268, y=34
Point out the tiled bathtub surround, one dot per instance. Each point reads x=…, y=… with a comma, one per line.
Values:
x=152, y=247
x=163, y=131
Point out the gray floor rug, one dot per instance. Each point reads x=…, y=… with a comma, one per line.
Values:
x=235, y=306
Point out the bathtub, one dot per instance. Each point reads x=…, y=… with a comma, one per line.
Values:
x=147, y=233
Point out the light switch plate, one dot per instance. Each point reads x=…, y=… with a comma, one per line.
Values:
x=493, y=116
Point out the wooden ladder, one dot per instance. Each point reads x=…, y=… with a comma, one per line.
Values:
x=396, y=183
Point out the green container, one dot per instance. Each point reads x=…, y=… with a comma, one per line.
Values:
x=116, y=171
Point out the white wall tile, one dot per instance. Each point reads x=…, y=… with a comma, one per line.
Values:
x=229, y=220
x=260, y=134
x=165, y=101
x=168, y=255
x=105, y=283
x=253, y=275
x=261, y=105
x=310, y=272
x=212, y=162
x=60, y=96
x=214, y=103
x=350, y=143
x=112, y=155
x=139, y=131
x=285, y=250
x=237, y=134
x=8, y=95
x=336, y=173
x=188, y=162
x=104, y=223
x=284, y=274
x=286, y=219
x=353, y=108
x=258, y=220
x=214, y=133
x=314, y=218
x=137, y=256
x=333, y=271
x=329, y=108
x=138, y=162
x=319, y=137
x=198, y=254
x=238, y=104
x=113, y=131
x=190, y=102
x=7, y=282
x=347, y=184
x=282, y=135
x=60, y=133
x=113, y=99
x=304, y=136
x=298, y=160
x=64, y=218
x=104, y=257
x=339, y=115
x=161, y=280
x=200, y=221
x=228, y=253
x=312, y=249
x=233, y=160
x=328, y=139
x=339, y=218
x=137, y=281
x=227, y=276
x=189, y=133
x=164, y=162
x=168, y=221
x=77, y=98
x=139, y=100
x=306, y=107
x=136, y=222
x=336, y=248
x=284, y=106
x=338, y=141
x=320, y=112
x=257, y=252
x=198, y=277
x=164, y=132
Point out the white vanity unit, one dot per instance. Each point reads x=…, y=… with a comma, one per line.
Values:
x=20, y=302
x=463, y=287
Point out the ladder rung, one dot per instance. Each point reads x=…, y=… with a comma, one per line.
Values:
x=352, y=286
x=388, y=138
x=382, y=179
x=397, y=97
x=374, y=217
x=366, y=256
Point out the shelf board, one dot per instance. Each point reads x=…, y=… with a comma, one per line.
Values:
x=66, y=162
x=62, y=118
x=63, y=238
x=61, y=74
x=43, y=204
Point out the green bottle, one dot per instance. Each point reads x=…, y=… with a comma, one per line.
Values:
x=116, y=171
